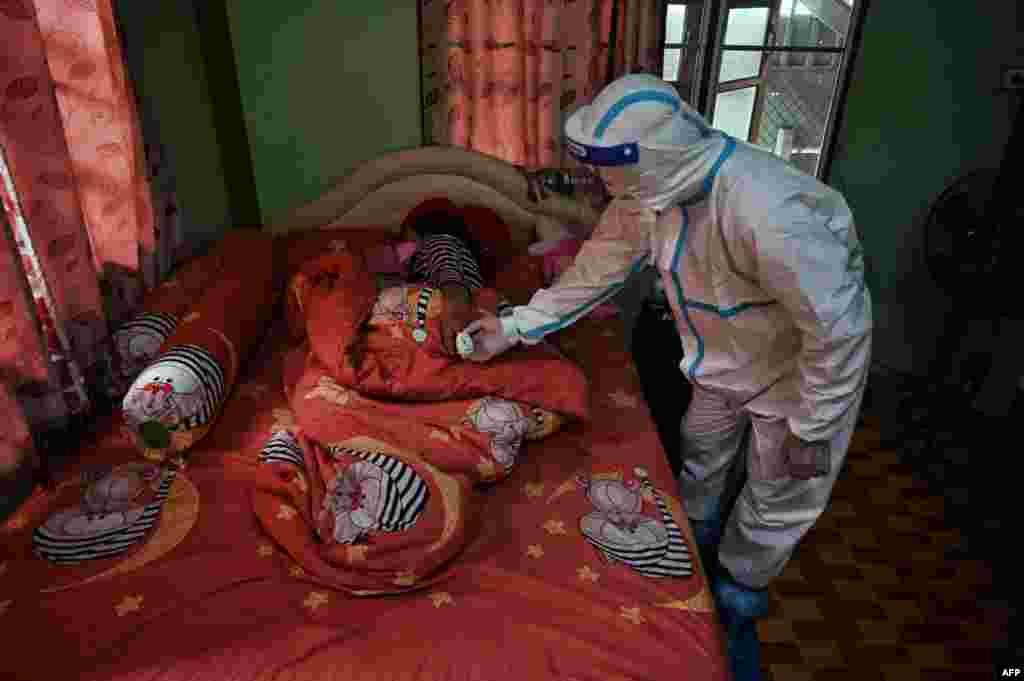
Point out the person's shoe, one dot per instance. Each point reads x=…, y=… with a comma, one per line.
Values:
x=744, y=648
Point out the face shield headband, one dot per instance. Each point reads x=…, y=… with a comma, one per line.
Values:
x=594, y=150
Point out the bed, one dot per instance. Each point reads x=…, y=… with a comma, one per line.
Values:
x=210, y=593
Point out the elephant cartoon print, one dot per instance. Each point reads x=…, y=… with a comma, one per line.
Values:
x=374, y=492
x=180, y=391
x=392, y=306
x=507, y=423
x=620, y=530
x=115, y=513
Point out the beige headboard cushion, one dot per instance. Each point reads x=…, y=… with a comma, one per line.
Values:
x=381, y=192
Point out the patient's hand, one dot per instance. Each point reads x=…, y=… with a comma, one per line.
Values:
x=458, y=314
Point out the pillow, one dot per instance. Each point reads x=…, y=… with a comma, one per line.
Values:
x=175, y=401
x=436, y=204
x=550, y=229
x=138, y=341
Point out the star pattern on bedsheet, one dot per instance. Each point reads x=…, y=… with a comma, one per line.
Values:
x=128, y=604
x=296, y=571
x=585, y=573
x=563, y=489
x=315, y=600
x=17, y=522
x=535, y=551
x=5, y=606
x=440, y=598
x=265, y=550
x=357, y=552
x=534, y=490
x=286, y=512
x=440, y=435
x=699, y=602
x=555, y=526
x=623, y=400
x=299, y=480
x=337, y=246
x=488, y=471
x=329, y=390
x=632, y=614
x=405, y=578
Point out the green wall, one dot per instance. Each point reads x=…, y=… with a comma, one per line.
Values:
x=166, y=63
x=325, y=85
x=922, y=109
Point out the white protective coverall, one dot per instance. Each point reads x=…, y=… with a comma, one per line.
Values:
x=764, y=273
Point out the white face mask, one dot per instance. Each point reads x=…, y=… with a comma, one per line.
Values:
x=619, y=181
x=664, y=176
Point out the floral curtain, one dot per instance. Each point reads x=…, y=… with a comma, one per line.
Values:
x=500, y=76
x=81, y=236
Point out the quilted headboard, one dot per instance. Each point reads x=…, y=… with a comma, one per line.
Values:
x=382, y=191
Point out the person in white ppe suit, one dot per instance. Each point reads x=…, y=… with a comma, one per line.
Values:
x=764, y=273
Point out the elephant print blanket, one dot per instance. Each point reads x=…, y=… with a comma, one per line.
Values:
x=392, y=440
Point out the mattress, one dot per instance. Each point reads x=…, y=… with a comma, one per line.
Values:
x=555, y=582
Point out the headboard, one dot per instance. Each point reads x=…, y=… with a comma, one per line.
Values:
x=382, y=191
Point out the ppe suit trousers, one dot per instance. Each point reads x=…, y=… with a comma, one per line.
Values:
x=772, y=511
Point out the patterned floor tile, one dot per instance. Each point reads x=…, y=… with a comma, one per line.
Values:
x=871, y=592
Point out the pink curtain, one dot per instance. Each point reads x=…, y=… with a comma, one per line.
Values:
x=80, y=233
x=500, y=76
x=640, y=33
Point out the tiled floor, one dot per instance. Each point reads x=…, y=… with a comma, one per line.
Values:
x=874, y=591
x=887, y=585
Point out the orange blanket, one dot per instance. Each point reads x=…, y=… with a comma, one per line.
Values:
x=392, y=437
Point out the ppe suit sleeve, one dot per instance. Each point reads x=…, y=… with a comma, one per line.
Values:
x=810, y=259
x=618, y=248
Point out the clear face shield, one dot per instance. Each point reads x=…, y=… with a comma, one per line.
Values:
x=669, y=165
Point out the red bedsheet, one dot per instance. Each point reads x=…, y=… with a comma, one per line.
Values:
x=208, y=595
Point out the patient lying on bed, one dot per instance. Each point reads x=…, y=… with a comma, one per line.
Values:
x=392, y=430
x=439, y=251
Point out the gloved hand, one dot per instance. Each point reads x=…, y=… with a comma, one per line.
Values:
x=489, y=339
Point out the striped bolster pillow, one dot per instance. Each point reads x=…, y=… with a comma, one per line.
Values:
x=138, y=341
x=176, y=399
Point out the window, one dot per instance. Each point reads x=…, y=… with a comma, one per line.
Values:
x=682, y=49
x=766, y=71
